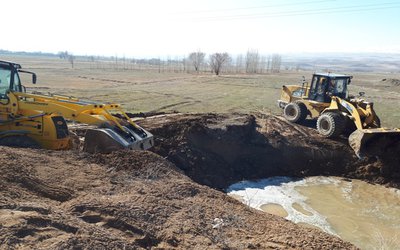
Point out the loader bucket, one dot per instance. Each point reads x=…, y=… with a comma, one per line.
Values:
x=106, y=140
x=374, y=142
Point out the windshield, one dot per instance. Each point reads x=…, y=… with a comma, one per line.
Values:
x=338, y=87
x=17, y=83
x=323, y=87
x=5, y=80
x=318, y=88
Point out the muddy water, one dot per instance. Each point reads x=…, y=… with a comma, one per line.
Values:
x=366, y=215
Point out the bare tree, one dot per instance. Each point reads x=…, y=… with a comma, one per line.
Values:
x=71, y=59
x=239, y=63
x=263, y=64
x=197, y=59
x=217, y=60
x=184, y=62
x=63, y=55
x=276, y=63
x=252, y=61
x=268, y=63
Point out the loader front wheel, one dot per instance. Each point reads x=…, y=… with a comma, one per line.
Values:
x=330, y=124
x=295, y=112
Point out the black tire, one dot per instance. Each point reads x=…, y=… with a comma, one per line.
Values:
x=19, y=141
x=295, y=112
x=331, y=124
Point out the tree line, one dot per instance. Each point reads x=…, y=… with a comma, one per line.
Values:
x=251, y=63
x=195, y=62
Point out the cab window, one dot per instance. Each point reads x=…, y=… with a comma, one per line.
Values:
x=5, y=79
x=339, y=87
x=318, y=88
x=17, y=83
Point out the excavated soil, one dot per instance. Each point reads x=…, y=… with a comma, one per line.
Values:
x=170, y=198
x=218, y=150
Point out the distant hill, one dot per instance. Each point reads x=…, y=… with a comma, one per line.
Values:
x=357, y=62
x=335, y=62
x=24, y=53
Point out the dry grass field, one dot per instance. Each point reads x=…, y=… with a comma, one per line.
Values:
x=149, y=90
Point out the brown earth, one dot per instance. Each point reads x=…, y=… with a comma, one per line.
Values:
x=171, y=198
x=218, y=150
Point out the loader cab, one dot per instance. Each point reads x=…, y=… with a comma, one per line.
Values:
x=10, y=80
x=325, y=85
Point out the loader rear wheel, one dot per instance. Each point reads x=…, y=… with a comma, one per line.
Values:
x=331, y=124
x=19, y=141
x=295, y=112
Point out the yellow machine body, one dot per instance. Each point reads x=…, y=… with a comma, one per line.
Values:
x=326, y=99
x=48, y=131
x=41, y=118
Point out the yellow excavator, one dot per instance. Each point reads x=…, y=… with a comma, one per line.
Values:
x=40, y=121
x=326, y=99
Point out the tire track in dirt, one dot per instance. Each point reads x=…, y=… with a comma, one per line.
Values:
x=132, y=83
x=185, y=103
x=240, y=85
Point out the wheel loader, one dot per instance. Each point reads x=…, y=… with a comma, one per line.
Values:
x=40, y=121
x=327, y=99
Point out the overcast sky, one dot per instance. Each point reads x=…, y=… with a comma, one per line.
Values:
x=153, y=28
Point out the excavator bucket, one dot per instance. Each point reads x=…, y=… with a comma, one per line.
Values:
x=375, y=142
x=106, y=140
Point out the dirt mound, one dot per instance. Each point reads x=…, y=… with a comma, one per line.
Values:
x=392, y=81
x=144, y=165
x=218, y=150
x=129, y=200
x=147, y=200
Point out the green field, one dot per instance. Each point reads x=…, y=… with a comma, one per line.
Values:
x=144, y=90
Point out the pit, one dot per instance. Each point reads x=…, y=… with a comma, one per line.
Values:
x=248, y=156
x=218, y=150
